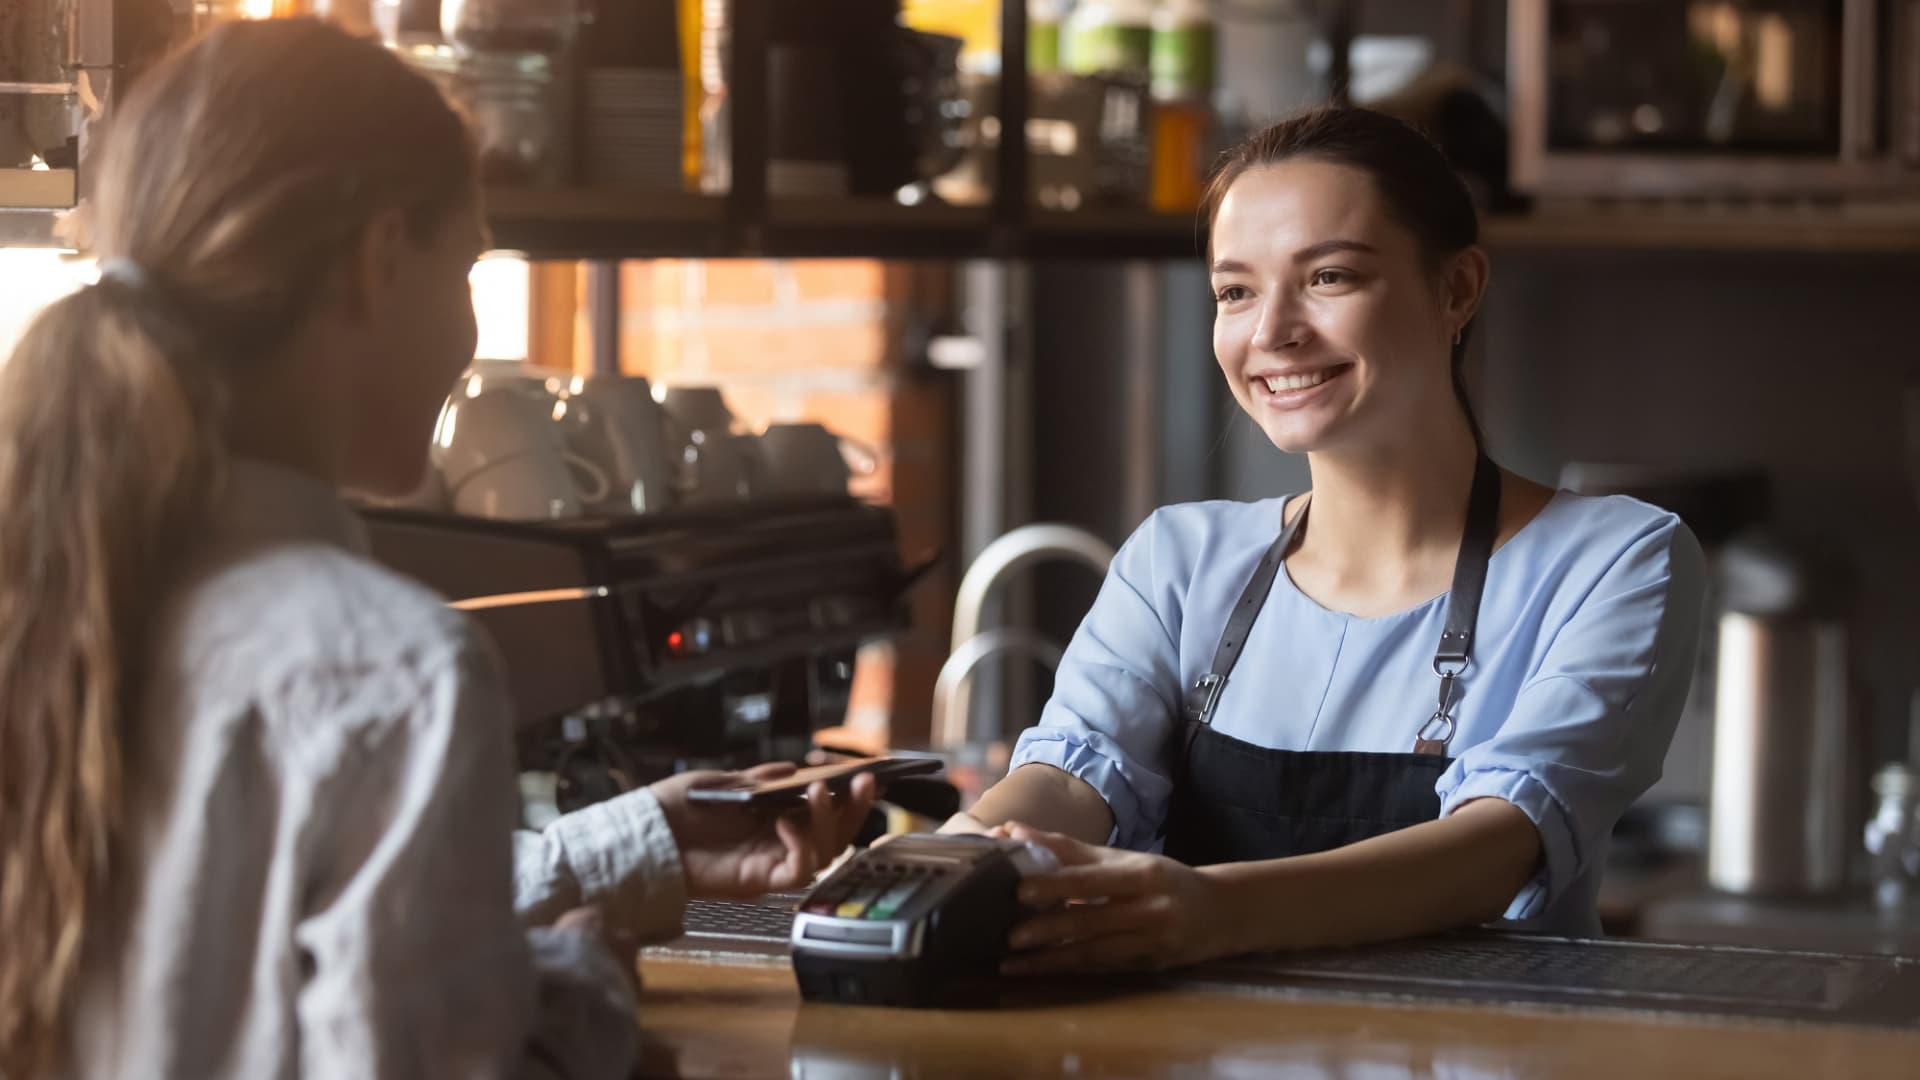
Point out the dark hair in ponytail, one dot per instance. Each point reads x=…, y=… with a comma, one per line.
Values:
x=238, y=171
x=1419, y=186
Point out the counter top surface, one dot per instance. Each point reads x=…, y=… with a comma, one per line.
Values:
x=738, y=1017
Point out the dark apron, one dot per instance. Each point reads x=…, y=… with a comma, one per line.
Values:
x=1234, y=801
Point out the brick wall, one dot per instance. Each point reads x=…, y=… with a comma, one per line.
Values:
x=836, y=342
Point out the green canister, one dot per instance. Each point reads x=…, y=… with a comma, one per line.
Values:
x=1110, y=37
x=1182, y=50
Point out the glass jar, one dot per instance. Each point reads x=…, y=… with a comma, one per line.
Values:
x=544, y=27
x=513, y=103
x=1893, y=836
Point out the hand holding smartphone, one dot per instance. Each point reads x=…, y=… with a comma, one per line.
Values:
x=791, y=790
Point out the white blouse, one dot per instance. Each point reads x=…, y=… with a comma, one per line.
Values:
x=320, y=873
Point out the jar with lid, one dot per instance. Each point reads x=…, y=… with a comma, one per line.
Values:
x=512, y=103
x=514, y=73
x=1110, y=37
x=1183, y=118
x=1893, y=836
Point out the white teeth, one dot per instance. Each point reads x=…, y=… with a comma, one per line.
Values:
x=1277, y=383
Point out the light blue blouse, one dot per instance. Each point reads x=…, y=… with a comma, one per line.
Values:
x=1582, y=658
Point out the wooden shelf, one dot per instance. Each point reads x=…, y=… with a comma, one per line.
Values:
x=578, y=223
x=1876, y=230
x=603, y=223
x=875, y=228
x=600, y=223
x=588, y=223
x=39, y=189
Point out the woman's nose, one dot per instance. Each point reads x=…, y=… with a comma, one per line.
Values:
x=1281, y=325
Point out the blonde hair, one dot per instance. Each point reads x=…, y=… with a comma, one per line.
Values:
x=238, y=174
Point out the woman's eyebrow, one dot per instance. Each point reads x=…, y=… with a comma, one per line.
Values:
x=1307, y=254
x=1329, y=247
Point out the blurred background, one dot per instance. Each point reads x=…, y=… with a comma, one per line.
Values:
x=1704, y=217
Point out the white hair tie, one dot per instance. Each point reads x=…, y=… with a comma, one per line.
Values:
x=124, y=271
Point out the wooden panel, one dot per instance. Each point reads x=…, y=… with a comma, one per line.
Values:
x=714, y=1020
x=553, y=296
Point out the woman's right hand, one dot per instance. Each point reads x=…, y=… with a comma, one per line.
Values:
x=964, y=823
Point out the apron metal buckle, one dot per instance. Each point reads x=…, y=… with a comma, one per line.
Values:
x=1433, y=740
x=1442, y=734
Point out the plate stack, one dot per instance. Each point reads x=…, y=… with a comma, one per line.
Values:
x=631, y=127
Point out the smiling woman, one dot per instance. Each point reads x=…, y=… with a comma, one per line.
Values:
x=1422, y=222
x=1426, y=711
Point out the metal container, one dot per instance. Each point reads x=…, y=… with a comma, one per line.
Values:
x=1783, y=734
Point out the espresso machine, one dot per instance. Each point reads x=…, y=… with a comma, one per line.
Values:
x=704, y=636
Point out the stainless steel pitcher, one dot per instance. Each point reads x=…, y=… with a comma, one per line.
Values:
x=1785, y=746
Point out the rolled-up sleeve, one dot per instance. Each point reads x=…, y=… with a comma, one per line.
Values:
x=1114, y=699
x=619, y=854
x=1590, y=727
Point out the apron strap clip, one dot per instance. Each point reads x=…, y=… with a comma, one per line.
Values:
x=1446, y=688
x=1208, y=688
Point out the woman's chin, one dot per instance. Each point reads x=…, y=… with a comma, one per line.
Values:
x=1295, y=438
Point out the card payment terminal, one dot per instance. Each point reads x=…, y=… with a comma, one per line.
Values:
x=919, y=922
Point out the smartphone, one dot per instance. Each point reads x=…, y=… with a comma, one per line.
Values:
x=793, y=789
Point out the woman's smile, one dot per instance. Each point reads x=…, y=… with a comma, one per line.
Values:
x=1297, y=389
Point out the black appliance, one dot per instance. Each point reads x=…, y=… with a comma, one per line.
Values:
x=699, y=637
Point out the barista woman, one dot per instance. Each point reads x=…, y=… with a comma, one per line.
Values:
x=1416, y=697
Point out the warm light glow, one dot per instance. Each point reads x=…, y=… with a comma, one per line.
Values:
x=30, y=279
x=1773, y=63
x=502, y=301
x=257, y=9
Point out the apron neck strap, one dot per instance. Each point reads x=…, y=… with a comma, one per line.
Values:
x=1470, y=569
x=1463, y=600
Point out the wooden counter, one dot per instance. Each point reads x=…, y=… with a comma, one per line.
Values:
x=715, y=1019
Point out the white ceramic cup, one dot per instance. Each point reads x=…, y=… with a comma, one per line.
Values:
x=719, y=467
x=807, y=459
x=697, y=408
x=430, y=494
x=623, y=430
x=503, y=454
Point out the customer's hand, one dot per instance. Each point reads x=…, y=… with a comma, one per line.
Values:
x=622, y=944
x=734, y=851
x=1109, y=910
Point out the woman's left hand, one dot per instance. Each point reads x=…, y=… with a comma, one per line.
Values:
x=1123, y=911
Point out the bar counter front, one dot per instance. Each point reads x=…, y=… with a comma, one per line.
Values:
x=721, y=1002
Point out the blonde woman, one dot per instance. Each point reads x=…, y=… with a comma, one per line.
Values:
x=256, y=799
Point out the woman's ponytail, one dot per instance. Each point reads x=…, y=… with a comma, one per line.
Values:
x=109, y=449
